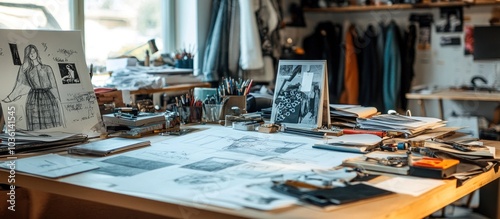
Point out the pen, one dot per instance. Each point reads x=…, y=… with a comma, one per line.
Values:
x=248, y=88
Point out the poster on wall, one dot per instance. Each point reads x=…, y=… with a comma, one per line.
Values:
x=450, y=20
x=45, y=81
x=301, y=94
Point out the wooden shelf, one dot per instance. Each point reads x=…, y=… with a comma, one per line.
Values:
x=362, y=8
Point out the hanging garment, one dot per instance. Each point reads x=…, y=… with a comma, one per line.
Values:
x=268, y=21
x=392, y=68
x=324, y=44
x=350, y=93
x=370, y=83
x=213, y=59
x=234, y=40
x=250, y=45
x=407, y=71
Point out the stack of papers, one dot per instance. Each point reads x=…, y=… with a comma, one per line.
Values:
x=358, y=143
x=346, y=115
x=398, y=123
x=26, y=141
x=352, y=111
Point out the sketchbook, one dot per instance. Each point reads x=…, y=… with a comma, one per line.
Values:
x=108, y=146
x=45, y=81
x=301, y=95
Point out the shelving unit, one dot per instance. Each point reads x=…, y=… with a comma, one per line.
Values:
x=361, y=8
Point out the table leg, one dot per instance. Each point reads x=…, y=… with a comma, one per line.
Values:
x=441, y=112
x=422, y=107
x=489, y=204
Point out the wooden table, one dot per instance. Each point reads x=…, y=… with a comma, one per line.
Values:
x=452, y=95
x=95, y=188
x=124, y=95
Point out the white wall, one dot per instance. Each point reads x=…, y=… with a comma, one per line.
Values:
x=439, y=66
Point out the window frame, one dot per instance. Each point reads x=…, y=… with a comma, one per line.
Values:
x=77, y=16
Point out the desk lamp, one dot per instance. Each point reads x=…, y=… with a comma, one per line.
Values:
x=152, y=47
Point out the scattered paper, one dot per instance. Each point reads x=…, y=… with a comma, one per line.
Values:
x=49, y=165
x=409, y=185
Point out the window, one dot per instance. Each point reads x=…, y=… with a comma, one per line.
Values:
x=112, y=27
x=28, y=14
x=121, y=27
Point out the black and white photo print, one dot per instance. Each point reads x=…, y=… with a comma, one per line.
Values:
x=298, y=97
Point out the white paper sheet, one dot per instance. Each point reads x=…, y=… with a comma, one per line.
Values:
x=409, y=185
x=49, y=165
x=211, y=165
x=46, y=80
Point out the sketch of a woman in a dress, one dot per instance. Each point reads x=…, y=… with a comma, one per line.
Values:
x=37, y=80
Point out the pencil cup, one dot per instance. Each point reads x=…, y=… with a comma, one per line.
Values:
x=196, y=113
x=211, y=113
x=190, y=114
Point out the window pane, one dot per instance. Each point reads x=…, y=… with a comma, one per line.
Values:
x=115, y=27
x=29, y=14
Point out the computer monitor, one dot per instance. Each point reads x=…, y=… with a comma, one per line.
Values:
x=487, y=43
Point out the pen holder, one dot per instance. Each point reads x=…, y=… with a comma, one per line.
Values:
x=230, y=101
x=184, y=63
x=211, y=113
x=190, y=114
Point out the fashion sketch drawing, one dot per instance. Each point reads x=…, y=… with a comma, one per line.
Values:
x=37, y=80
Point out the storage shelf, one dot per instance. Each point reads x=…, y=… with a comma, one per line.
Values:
x=361, y=8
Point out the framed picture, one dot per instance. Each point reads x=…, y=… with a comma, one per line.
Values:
x=301, y=95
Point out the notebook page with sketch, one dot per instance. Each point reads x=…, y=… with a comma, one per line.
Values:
x=45, y=82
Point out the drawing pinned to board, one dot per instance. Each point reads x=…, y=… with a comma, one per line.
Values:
x=69, y=74
x=213, y=164
x=32, y=82
x=450, y=20
x=37, y=81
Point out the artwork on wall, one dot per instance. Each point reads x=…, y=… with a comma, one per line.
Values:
x=450, y=20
